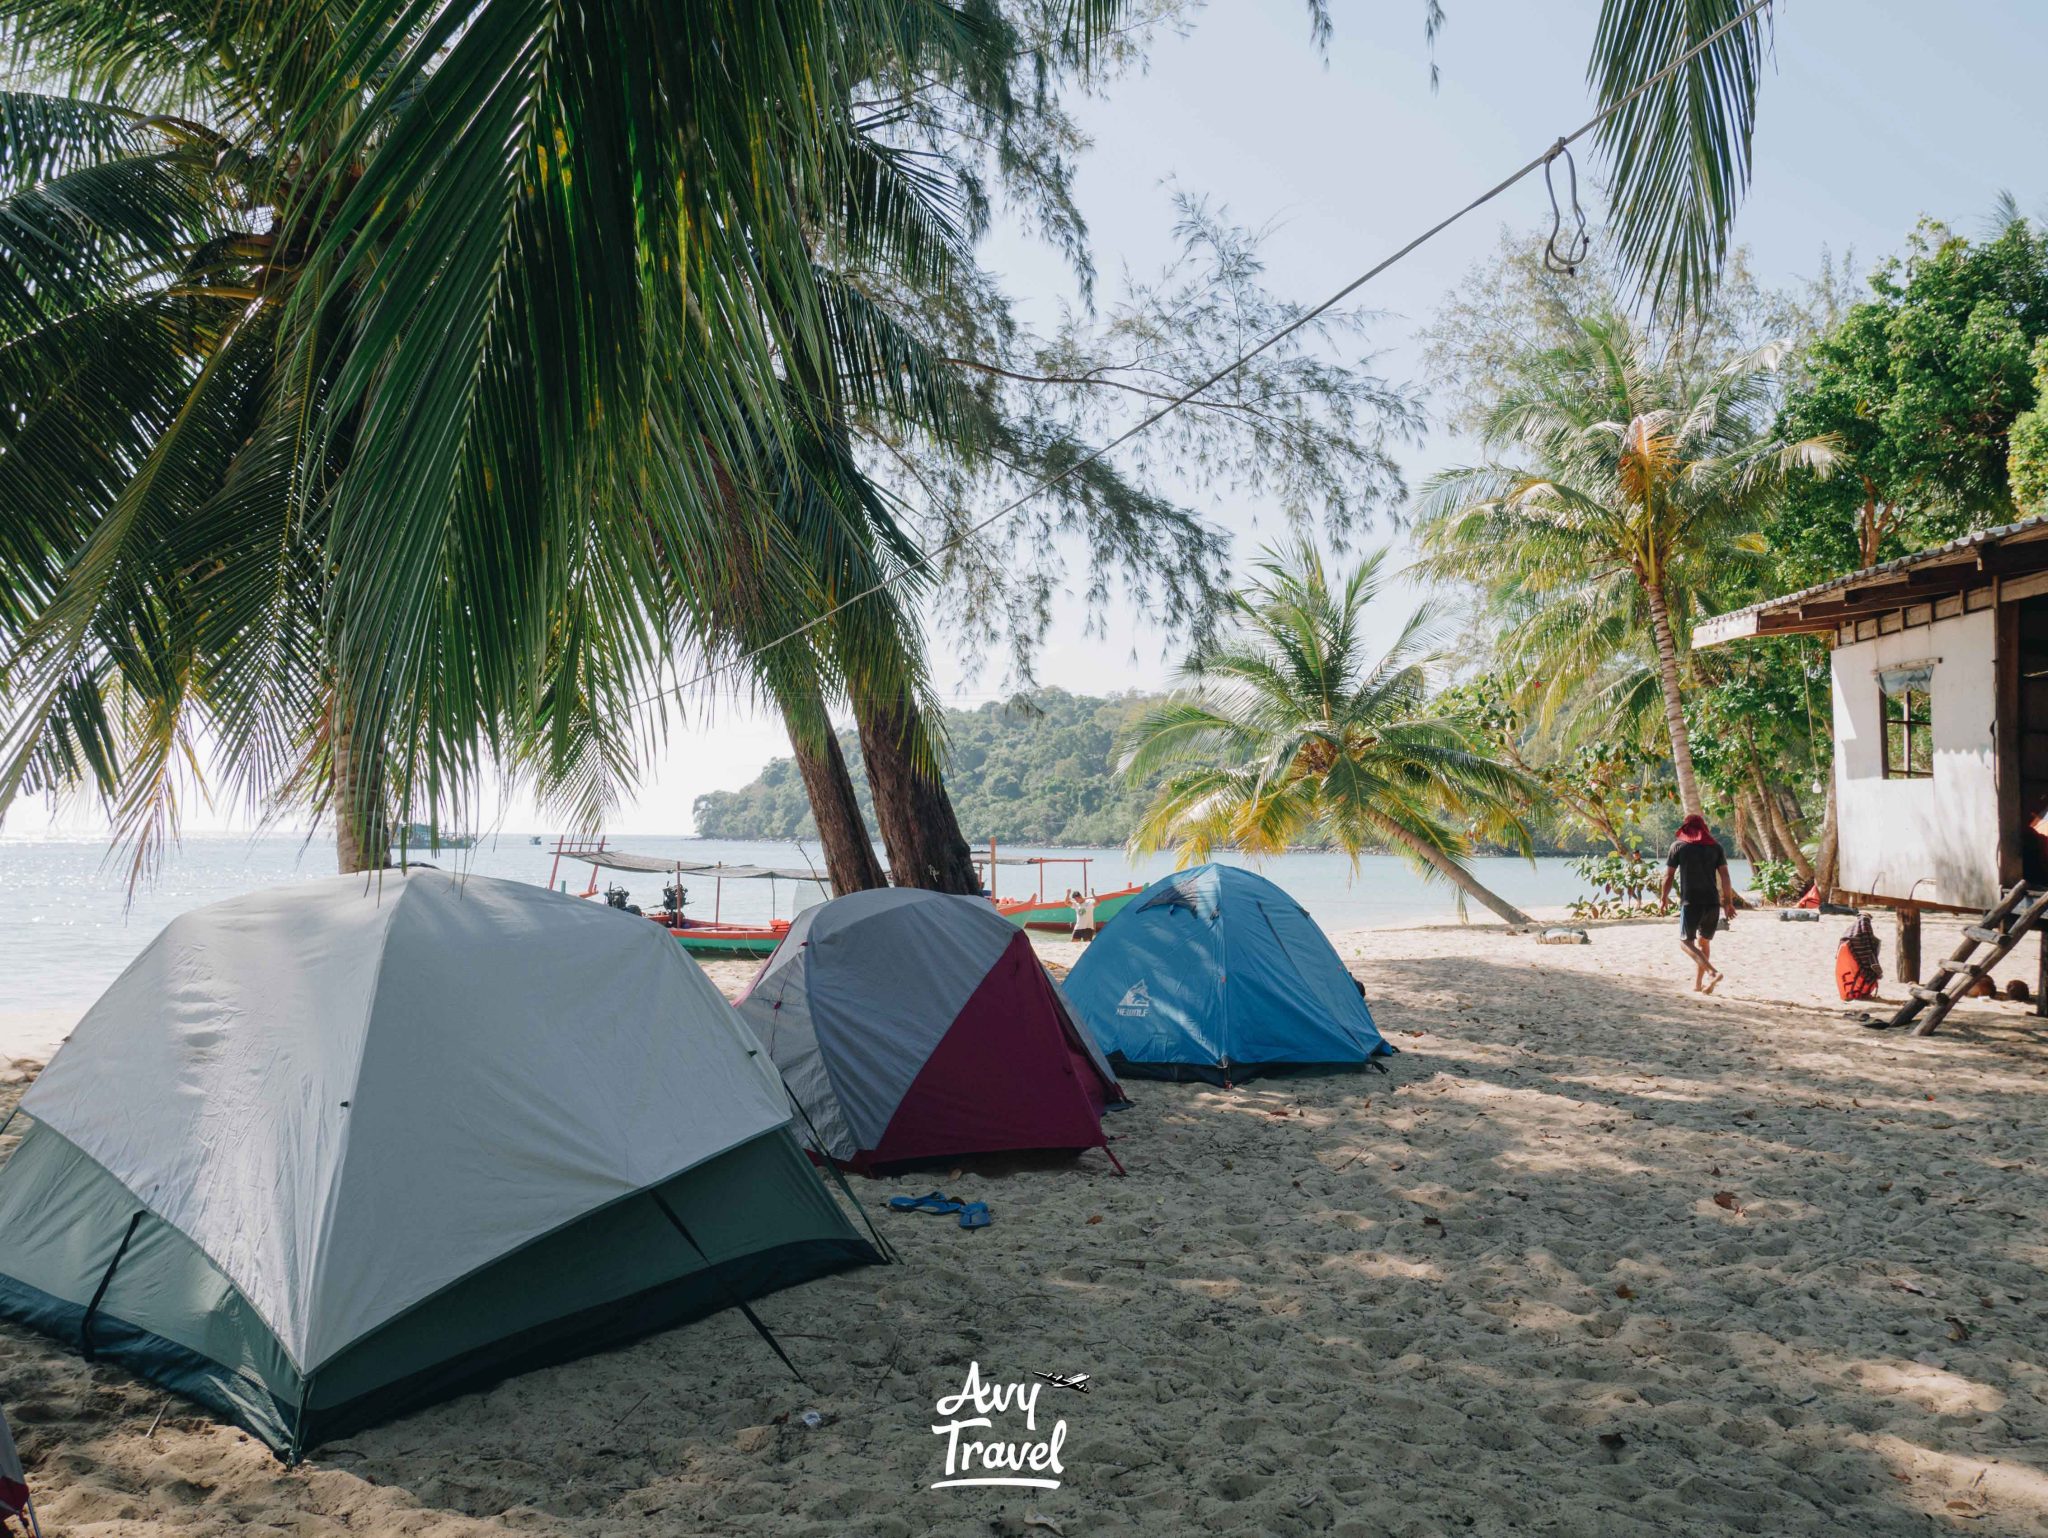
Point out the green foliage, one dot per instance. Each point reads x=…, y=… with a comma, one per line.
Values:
x=1604, y=788
x=1678, y=154
x=1763, y=703
x=1777, y=880
x=1035, y=769
x=2027, y=463
x=1624, y=883
x=1919, y=387
x=1625, y=473
x=450, y=378
x=1287, y=730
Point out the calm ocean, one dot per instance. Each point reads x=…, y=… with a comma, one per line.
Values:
x=68, y=927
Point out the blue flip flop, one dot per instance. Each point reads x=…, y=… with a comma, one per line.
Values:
x=976, y=1215
x=931, y=1201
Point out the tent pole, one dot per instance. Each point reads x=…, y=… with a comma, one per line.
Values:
x=738, y=1302
x=106, y=1280
x=817, y=1142
x=297, y=1452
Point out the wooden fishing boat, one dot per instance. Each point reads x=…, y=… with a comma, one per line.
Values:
x=1054, y=913
x=700, y=937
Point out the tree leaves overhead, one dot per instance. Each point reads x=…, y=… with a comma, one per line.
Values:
x=1677, y=156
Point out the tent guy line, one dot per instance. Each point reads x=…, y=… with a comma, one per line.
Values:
x=1046, y=483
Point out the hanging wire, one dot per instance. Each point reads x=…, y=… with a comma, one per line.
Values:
x=925, y=558
x=1579, y=243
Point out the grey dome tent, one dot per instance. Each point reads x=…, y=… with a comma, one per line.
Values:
x=330, y=1151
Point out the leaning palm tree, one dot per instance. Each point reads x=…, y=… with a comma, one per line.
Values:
x=1287, y=730
x=1625, y=483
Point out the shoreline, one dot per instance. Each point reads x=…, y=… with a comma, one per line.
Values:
x=30, y=1034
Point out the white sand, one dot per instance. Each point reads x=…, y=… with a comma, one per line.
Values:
x=1491, y=1292
x=33, y=1034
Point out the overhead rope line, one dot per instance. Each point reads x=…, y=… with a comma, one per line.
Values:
x=974, y=530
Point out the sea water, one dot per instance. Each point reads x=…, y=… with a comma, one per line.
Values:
x=70, y=920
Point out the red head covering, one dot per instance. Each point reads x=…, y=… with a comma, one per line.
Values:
x=1694, y=830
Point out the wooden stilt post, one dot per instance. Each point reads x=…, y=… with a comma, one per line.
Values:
x=1908, y=949
x=2041, y=978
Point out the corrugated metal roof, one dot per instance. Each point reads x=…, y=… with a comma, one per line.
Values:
x=1732, y=627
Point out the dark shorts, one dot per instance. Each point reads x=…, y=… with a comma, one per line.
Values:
x=1698, y=920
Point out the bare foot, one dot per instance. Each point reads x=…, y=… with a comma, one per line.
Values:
x=1713, y=979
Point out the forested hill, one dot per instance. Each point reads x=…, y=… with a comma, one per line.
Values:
x=1034, y=769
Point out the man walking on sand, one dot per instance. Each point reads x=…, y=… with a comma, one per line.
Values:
x=1704, y=894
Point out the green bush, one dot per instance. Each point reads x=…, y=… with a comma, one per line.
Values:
x=1777, y=880
x=1624, y=885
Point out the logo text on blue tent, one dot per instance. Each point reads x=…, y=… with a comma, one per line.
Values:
x=1137, y=1000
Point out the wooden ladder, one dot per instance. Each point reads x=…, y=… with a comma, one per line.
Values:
x=2018, y=914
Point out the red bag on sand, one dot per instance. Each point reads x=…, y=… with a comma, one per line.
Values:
x=1811, y=899
x=1851, y=981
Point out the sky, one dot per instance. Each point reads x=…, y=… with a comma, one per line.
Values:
x=1873, y=113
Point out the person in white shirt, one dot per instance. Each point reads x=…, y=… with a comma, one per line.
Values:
x=1084, y=915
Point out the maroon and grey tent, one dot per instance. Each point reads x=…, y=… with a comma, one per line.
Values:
x=914, y=1025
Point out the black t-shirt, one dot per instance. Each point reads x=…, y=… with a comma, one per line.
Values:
x=1696, y=864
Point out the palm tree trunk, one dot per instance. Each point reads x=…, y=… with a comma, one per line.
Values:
x=1748, y=831
x=1782, y=827
x=1827, y=863
x=842, y=832
x=1463, y=879
x=919, y=827
x=362, y=828
x=1674, y=702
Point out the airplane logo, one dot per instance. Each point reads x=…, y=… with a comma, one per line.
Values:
x=1077, y=1381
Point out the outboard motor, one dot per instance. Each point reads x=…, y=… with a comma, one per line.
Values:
x=673, y=900
x=616, y=897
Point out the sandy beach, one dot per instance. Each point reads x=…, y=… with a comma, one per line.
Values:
x=1596, y=1256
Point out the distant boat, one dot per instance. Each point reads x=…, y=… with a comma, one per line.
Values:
x=535, y=839
x=699, y=937
x=417, y=835
x=1042, y=912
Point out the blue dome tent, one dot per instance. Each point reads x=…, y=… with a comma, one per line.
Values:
x=1215, y=973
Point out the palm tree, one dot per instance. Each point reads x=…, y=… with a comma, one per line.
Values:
x=383, y=383
x=1287, y=731
x=1623, y=483
x=436, y=461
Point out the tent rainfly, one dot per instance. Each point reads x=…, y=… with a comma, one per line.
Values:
x=916, y=1025
x=327, y=1152
x=1215, y=973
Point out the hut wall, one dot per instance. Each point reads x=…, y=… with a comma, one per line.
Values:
x=1936, y=839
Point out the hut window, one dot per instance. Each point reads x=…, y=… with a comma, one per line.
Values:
x=1908, y=723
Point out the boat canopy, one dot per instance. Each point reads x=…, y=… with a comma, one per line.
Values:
x=655, y=865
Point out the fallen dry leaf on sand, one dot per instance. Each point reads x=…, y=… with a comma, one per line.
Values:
x=1095, y=1217
x=1726, y=1201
